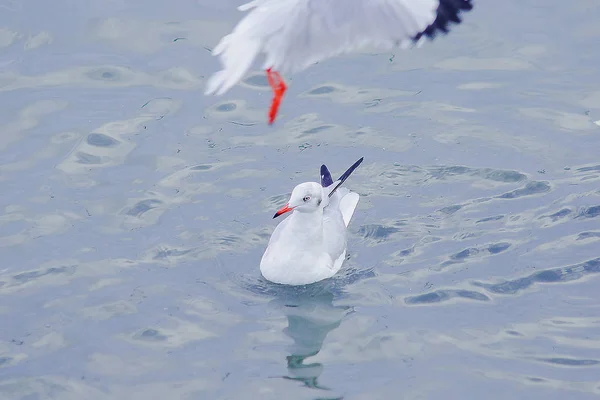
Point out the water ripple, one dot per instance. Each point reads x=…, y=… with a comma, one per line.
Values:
x=553, y=275
x=439, y=296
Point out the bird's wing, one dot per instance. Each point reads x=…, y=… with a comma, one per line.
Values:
x=295, y=34
x=326, y=179
x=345, y=201
x=347, y=206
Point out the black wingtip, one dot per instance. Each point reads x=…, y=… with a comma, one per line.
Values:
x=350, y=170
x=448, y=11
x=346, y=174
x=326, y=179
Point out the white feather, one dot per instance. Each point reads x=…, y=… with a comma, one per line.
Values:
x=348, y=205
x=310, y=244
x=294, y=34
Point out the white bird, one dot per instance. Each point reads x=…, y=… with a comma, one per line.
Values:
x=310, y=245
x=294, y=34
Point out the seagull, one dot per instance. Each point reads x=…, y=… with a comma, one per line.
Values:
x=295, y=34
x=310, y=245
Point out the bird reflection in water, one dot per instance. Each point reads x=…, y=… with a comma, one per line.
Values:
x=310, y=319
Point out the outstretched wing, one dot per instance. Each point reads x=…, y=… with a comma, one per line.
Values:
x=295, y=34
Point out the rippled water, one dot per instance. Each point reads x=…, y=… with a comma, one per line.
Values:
x=135, y=210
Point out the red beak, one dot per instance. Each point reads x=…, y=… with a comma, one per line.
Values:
x=283, y=210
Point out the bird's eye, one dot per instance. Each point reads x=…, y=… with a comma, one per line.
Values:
x=306, y=198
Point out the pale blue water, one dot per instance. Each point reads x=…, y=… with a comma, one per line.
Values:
x=134, y=210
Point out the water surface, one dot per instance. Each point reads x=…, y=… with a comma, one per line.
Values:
x=134, y=210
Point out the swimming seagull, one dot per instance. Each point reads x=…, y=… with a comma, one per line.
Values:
x=310, y=245
x=294, y=34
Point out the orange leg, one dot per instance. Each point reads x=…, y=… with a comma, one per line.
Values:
x=279, y=87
